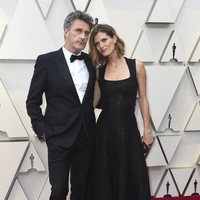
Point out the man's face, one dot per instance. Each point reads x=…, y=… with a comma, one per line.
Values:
x=76, y=36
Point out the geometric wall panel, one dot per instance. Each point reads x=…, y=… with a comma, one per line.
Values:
x=32, y=161
x=32, y=183
x=143, y=49
x=2, y=29
x=97, y=113
x=139, y=118
x=195, y=55
x=168, y=186
x=46, y=190
x=11, y=126
x=198, y=160
x=155, y=156
x=155, y=176
x=41, y=149
x=187, y=152
x=160, y=13
x=80, y=4
x=195, y=73
x=7, y=9
x=162, y=82
x=44, y=6
x=193, y=185
x=157, y=37
x=36, y=26
x=167, y=54
x=175, y=7
x=17, y=192
x=98, y=10
x=57, y=12
x=10, y=163
x=181, y=105
x=27, y=42
x=165, y=142
x=164, y=11
x=182, y=181
x=194, y=121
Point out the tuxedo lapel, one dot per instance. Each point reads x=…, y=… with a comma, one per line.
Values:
x=65, y=73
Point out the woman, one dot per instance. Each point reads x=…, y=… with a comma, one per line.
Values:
x=120, y=171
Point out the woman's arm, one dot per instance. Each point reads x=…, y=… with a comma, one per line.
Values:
x=143, y=102
x=97, y=92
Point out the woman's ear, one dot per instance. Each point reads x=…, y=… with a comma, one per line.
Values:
x=115, y=39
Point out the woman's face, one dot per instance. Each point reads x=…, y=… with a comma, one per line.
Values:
x=104, y=44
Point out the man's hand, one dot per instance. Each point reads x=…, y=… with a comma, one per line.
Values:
x=42, y=138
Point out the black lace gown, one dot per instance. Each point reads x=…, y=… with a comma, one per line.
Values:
x=120, y=171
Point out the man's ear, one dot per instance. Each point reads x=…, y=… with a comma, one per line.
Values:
x=66, y=30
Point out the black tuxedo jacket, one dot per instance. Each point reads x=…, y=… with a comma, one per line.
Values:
x=64, y=114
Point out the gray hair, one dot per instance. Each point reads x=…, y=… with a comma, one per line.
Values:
x=78, y=15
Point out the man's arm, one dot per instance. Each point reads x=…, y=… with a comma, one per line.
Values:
x=34, y=99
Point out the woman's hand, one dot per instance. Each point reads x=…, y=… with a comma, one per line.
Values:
x=148, y=138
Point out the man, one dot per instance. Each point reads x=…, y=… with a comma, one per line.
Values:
x=68, y=123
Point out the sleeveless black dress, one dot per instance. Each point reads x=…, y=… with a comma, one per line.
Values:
x=120, y=171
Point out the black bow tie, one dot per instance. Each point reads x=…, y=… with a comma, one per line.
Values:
x=74, y=57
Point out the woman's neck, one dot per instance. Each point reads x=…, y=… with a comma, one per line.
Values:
x=114, y=61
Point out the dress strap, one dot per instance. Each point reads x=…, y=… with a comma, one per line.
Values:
x=101, y=72
x=132, y=67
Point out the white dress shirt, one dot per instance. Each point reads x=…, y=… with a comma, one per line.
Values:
x=79, y=74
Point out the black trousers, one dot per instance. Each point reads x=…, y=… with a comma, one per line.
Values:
x=75, y=159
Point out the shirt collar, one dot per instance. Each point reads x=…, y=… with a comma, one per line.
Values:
x=68, y=53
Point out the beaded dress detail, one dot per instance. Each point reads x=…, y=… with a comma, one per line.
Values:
x=120, y=171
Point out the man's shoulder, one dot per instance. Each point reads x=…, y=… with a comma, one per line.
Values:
x=49, y=55
x=85, y=55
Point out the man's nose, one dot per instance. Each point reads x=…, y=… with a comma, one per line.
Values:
x=83, y=35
